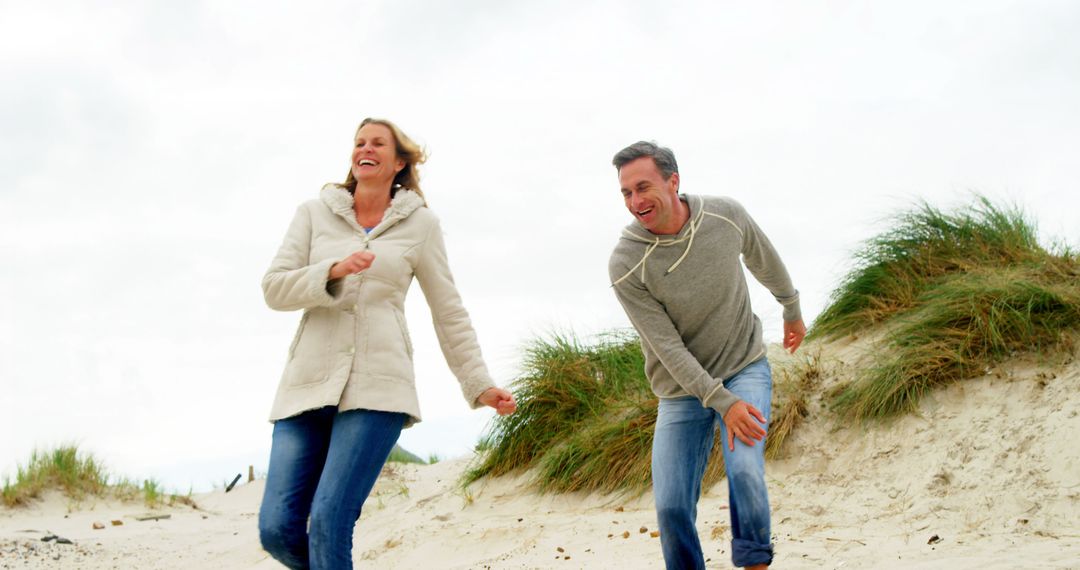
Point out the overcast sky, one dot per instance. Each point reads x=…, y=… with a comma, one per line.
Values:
x=152, y=155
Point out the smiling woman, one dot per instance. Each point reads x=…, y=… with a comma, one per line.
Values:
x=348, y=389
x=393, y=141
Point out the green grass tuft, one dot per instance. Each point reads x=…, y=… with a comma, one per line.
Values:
x=580, y=408
x=78, y=475
x=958, y=293
x=585, y=420
x=75, y=474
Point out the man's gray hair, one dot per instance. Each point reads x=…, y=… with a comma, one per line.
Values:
x=662, y=156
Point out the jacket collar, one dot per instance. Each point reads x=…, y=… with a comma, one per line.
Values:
x=340, y=201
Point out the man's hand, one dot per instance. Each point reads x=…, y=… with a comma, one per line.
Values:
x=500, y=399
x=793, y=335
x=740, y=423
x=355, y=263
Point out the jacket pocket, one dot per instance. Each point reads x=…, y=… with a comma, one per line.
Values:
x=311, y=360
x=404, y=333
x=296, y=337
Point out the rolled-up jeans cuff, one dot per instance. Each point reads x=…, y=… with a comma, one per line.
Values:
x=748, y=553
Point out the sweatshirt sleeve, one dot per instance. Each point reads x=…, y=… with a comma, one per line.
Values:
x=452, y=324
x=291, y=283
x=764, y=263
x=658, y=332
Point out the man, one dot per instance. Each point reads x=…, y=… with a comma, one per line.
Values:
x=676, y=272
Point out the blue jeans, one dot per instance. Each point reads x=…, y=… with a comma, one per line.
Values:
x=681, y=445
x=323, y=464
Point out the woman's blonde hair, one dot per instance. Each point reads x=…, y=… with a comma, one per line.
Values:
x=407, y=150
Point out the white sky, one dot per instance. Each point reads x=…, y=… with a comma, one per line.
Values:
x=152, y=154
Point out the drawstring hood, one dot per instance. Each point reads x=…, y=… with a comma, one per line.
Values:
x=697, y=217
x=693, y=311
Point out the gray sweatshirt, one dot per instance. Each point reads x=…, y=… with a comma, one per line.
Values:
x=687, y=297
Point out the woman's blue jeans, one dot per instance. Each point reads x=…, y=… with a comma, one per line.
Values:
x=681, y=445
x=323, y=464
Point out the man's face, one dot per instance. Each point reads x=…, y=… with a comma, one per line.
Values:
x=651, y=199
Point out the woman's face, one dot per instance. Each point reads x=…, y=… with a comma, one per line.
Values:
x=374, y=158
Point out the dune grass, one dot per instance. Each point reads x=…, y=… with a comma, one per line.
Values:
x=79, y=475
x=75, y=474
x=586, y=416
x=957, y=292
x=953, y=294
x=793, y=389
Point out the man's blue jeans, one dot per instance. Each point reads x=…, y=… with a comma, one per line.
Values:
x=681, y=445
x=323, y=464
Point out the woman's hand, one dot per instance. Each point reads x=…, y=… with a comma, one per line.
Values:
x=355, y=263
x=500, y=399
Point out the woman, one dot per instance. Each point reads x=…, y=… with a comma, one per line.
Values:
x=348, y=388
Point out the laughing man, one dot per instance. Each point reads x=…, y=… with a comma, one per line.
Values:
x=677, y=272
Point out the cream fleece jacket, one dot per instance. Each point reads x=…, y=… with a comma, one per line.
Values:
x=687, y=297
x=352, y=348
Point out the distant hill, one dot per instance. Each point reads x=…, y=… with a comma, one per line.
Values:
x=401, y=455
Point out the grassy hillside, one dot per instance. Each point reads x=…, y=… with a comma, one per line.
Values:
x=401, y=455
x=79, y=475
x=586, y=415
x=956, y=293
x=952, y=294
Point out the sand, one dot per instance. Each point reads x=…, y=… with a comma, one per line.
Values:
x=985, y=475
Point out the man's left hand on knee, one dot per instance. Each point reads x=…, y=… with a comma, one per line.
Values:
x=744, y=422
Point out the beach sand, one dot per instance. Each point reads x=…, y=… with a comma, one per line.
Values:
x=985, y=475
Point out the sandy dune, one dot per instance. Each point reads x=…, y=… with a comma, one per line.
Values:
x=990, y=467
